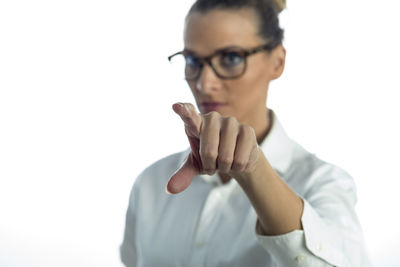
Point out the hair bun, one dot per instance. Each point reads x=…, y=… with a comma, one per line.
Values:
x=279, y=5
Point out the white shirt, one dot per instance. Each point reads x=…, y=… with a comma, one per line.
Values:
x=214, y=224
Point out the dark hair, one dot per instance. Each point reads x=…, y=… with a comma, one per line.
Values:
x=267, y=11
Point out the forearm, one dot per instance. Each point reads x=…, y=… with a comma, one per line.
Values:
x=279, y=209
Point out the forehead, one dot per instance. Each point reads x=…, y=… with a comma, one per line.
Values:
x=207, y=32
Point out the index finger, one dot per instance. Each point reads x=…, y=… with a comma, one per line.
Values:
x=190, y=117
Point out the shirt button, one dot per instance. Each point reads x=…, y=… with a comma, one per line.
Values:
x=200, y=244
x=319, y=247
x=300, y=258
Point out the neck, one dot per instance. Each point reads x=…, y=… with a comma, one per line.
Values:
x=260, y=119
x=264, y=126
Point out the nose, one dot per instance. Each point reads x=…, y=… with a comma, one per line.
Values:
x=208, y=81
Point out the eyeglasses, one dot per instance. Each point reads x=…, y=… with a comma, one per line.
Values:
x=227, y=63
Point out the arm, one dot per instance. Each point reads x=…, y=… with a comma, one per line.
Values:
x=289, y=228
x=279, y=209
x=331, y=234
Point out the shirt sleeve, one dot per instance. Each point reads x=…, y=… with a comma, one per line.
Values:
x=331, y=234
x=128, y=252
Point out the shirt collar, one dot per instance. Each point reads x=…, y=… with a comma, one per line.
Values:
x=277, y=147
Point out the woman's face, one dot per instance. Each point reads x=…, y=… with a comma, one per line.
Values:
x=243, y=97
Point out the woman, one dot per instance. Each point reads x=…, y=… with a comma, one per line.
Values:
x=248, y=195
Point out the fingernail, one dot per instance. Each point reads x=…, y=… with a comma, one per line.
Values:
x=166, y=190
x=209, y=172
x=176, y=104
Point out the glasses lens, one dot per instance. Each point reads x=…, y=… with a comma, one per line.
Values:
x=186, y=66
x=229, y=64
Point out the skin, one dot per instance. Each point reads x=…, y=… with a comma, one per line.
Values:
x=226, y=140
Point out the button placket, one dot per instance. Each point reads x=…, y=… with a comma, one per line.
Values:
x=300, y=258
x=207, y=224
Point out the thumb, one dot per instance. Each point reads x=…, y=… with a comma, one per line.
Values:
x=183, y=177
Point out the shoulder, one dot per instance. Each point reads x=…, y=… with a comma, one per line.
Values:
x=309, y=174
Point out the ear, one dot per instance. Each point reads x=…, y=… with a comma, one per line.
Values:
x=278, y=57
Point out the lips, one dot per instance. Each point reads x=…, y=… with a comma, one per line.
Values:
x=211, y=106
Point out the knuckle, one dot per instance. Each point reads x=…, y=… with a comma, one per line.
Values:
x=239, y=164
x=225, y=160
x=208, y=153
x=224, y=170
x=212, y=115
x=246, y=131
x=209, y=171
x=249, y=168
x=230, y=124
x=231, y=121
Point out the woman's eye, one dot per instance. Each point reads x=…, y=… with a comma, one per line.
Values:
x=192, y=61
x=231, y=59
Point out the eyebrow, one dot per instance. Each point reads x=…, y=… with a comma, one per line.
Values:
x=215, y=52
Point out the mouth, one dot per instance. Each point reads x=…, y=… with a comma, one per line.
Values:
x=206, y=107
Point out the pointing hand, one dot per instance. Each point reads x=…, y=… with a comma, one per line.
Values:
x=218, y=144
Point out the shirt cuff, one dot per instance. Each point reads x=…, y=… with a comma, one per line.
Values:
x=313, y=246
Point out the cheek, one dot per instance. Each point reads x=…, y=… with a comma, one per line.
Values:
x=250, y=89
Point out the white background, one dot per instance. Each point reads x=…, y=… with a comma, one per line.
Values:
x=85, y=105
